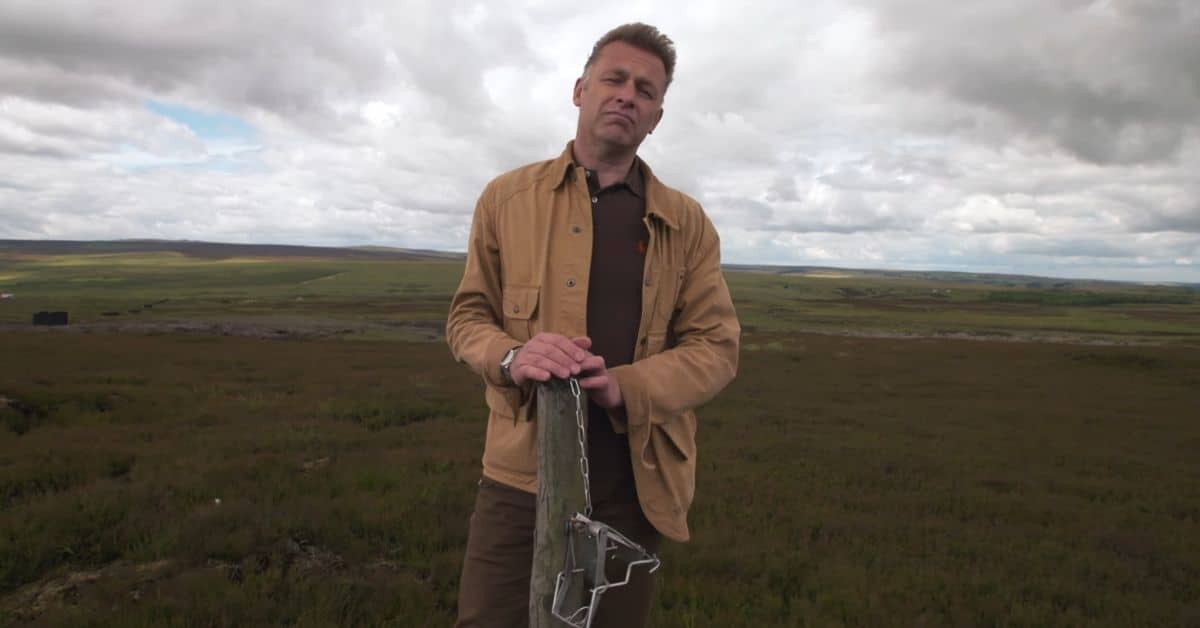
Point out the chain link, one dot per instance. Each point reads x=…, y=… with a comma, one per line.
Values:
x=582, y=437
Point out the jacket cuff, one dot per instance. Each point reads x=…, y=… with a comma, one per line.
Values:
x=638, y=409
x=495, y=352
x=516, y=397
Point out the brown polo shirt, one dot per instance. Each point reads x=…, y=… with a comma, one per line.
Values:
x=614, y=306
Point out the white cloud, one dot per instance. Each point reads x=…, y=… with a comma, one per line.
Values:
x=1056, y=138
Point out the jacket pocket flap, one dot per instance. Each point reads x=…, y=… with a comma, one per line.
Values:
x=520, y=302
x=681, y=433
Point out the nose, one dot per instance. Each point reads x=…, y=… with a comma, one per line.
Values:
x=625, y=92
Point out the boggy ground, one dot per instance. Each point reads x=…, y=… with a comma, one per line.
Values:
x=193, y=479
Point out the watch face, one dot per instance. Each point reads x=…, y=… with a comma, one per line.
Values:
x=507, y=361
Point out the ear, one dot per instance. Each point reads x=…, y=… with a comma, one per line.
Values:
x=577, y=93
x=657, y=120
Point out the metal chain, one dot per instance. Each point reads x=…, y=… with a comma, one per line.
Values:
x=590, y=570
x=582, y=437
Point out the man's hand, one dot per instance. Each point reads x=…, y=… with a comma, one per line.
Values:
x=593, y=377
x=549, y=355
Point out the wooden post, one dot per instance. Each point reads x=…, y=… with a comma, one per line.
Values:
x=560, y=494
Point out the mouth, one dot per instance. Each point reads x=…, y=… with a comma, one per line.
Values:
x=620, y=116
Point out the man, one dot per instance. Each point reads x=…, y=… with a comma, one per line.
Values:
x=587, y=266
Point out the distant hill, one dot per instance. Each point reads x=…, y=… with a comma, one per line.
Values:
x=217, y=250
x=991, y=279
x=220, y=250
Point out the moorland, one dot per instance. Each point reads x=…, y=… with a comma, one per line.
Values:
x=240, y=436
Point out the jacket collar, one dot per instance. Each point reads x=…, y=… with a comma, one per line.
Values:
x=658, y=205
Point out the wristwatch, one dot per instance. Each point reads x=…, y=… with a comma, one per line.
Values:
x=507, y=360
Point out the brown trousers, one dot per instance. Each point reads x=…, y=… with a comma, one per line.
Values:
x=494, y=589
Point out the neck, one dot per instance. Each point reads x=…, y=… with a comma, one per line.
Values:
x=610, y=166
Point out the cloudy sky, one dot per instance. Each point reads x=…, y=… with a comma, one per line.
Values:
x=1052, y=137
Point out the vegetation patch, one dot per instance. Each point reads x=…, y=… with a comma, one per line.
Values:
x=384, y=412
x=1091, y=299
x=1134, y=361
x=894, y=451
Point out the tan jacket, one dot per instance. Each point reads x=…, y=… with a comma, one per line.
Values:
x=527, y=269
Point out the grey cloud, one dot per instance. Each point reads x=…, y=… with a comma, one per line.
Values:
x=783, y=189
x=298, y=62
x=1186, y=220
x=847, y=177
x=772, y=41
x=1154, y=206
x=1067, y=247
x=34, y=148
x=44, y=82
x=822, y=226
x=149, y=45
x=740, y=210
x=21, y=224
x=986, y=215
x=63, y=132
x=842, y=211
x=14, y=186
x=1112, y=83
x=881, y=173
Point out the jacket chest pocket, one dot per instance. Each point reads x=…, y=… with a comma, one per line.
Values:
x=520, y=304
x=666, y=298
x=659, y=335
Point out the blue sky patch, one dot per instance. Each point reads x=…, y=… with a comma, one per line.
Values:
x=206, y=126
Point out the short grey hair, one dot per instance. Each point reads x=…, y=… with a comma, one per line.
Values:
x=644, y=37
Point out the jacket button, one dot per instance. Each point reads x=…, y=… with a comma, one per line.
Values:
x=570, y=283
x=576, y=229
x=647, y=281
x=516, y=309
x=595, y=200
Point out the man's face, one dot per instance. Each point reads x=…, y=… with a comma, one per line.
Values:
x=620, y=97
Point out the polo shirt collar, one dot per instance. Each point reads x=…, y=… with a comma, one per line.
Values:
x=646, y=186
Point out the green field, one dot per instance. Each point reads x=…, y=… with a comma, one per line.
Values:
x=285, y=440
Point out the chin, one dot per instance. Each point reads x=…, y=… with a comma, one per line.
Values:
x=617, y=139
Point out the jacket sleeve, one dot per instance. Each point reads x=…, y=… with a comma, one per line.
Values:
x=703, y=361
x=474, y=326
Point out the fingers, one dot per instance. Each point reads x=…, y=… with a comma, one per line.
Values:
x=594, y=375
x=594, y=382
x=545, y=344
x=603, y=389
x=558, y=365
x=591, y=365
x=534, y=373
x=547, y=355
